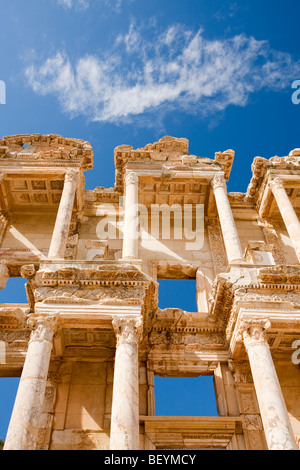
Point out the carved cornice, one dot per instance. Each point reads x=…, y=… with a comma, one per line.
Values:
x=105, y=284
x=45, y=150
x=280, y=275
x=225, y=160
x=175, y=320
x=169, y=152
x=109, y=276
x=12, y=317
x=260, y=167
x=246, y=287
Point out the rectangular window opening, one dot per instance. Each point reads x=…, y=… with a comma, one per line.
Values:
x=14, y=291
x=185, y=396
x=178, y=293
x=8, y=392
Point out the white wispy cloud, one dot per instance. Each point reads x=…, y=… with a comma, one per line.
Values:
x=176, y=70
x=80, y=4
x=84, y=4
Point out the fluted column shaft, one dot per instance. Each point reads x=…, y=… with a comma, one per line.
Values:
x=130, y=238
x=25, y=419
x=63, y=218
x=229, y=231
x=125, y=407
x=278, y=430
x=287, y=212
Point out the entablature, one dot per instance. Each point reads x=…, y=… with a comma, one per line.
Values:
x=166, y=157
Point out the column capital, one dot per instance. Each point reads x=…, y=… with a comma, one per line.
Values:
x=276, y=183
x=253, y=331
x=131, y=178
x=27, y=271
x=43, y=327
x=127, y=329
x=71, y=176
x=218, y=181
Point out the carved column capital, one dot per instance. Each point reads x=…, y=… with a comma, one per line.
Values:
x=276, y=183
x=127, y=329
x=253, y=331
x=218, y=181
x=43, y=327
x=27, y=271
x=71, y=176
x=131, y=178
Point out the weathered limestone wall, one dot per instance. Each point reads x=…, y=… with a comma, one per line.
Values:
x=289, y=378
x=109, y=336
x=249, y=230
x=29, y=230
x=82, y=409
x=83, y=406
x=286, y=243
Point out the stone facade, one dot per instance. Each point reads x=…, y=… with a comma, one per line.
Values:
x=92, y=337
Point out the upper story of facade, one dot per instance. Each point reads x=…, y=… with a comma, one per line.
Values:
x=178, y=216
x=90, y=254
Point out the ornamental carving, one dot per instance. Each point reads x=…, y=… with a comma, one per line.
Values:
x=217, y=246
x=43, y=327
x=97, y=301
x=253, y=331
x=241, y=371
x=127, y=330
x=272, y=240
x=218, y=181
x=71, y=176
x=276, y=183
x=252, y=423
x=131, y=178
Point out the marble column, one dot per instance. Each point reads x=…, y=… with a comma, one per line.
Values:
x=130, y=237
x=278, y=431
x=287, y=212
x=125, y=407
x=229, y=231
x=4, y=275
x=25, y=419
x=63, y=219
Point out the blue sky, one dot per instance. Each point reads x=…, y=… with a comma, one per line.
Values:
x=113, y=72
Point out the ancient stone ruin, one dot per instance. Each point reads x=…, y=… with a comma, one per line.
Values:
x=92, y=337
